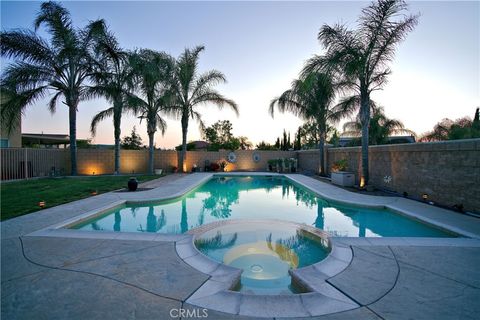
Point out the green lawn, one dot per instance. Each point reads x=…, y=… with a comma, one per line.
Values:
x=22, y=197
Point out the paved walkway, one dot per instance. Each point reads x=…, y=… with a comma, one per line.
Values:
x=100, y=278
x=60, y=278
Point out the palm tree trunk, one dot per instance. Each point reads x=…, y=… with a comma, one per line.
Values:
x=321, y=148
x=183, y=154
x=150, y=151
x=72, y=113
x=365, y=120
x=116, y=133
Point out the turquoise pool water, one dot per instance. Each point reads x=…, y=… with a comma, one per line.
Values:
x=246, y=197
x=264, y=252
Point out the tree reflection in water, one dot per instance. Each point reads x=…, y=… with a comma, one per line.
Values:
x=216, y=242
x=285, y=252
x=222, y=196
x=184, y=217
x=133, y=211
x=223, y=192
x=95, y=226
x=154, y=223
x=302, y=244
x=118, y=221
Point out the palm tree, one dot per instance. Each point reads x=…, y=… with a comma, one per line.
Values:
x=359, y=58
x=245, y=144
x=60, y=65
x=112, y=77
x=191, y=90
x=153, y=73
x=380, y=128
x=311, y=98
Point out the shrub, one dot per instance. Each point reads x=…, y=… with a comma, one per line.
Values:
x=340, y=165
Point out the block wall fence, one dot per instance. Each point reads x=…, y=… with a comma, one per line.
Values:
x=136, y=161
x=448, y=171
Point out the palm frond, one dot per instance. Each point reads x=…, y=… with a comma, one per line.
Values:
x=102, y=115
x=52, y=105
x=13, y=104
x=161, y=124
x=27, y=46
x=216, y=98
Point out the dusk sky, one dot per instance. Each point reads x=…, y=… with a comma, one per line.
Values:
x=261, y=47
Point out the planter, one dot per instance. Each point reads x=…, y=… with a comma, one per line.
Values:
x=343, y=178
x=158, y=171
x=132, y=184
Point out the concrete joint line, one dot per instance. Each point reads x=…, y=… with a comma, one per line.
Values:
x=93, y=274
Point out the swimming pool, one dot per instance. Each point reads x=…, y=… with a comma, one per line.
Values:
x=258, y=197
x=265, y=252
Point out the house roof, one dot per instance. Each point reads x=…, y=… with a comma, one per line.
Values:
x=199, y=144
x=42, y=138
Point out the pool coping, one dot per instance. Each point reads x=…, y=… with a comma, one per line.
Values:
x=224, y=278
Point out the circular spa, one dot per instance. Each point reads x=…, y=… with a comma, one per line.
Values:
x=266, y=251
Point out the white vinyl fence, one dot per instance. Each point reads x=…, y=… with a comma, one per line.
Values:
x=25, y=163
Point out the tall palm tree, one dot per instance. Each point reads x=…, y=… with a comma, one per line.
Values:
x=312, y=99
x=61, y=66
x=191, y=90
x=153, y=73
x=112, y=79
x=360, y=57
x=381, y=127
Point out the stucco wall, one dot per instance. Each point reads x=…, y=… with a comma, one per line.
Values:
x=448, y=171
x=15, y=136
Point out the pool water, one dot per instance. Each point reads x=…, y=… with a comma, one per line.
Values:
x=264, y=252
x=258, y=197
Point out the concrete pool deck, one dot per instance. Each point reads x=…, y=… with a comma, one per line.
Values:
x=57, y=273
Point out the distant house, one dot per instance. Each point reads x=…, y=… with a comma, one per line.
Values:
x=45, y=140
x=12, y=140
x=200, y=145
x=349, y=141
x=54, y=141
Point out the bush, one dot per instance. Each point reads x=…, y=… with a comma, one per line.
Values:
x=340, y=165
x=214, y=166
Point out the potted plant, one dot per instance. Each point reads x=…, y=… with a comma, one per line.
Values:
x=340, y=165
x=286, y=165
x=223, y=165
x=214, y=166
x=174, y=169
x=293, y=165
x=271, y=164
x=279, y=165
x=340, y=175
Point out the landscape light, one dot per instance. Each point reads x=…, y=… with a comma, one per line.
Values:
x=41, y=204
x=362, y=182
x=424, y=197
